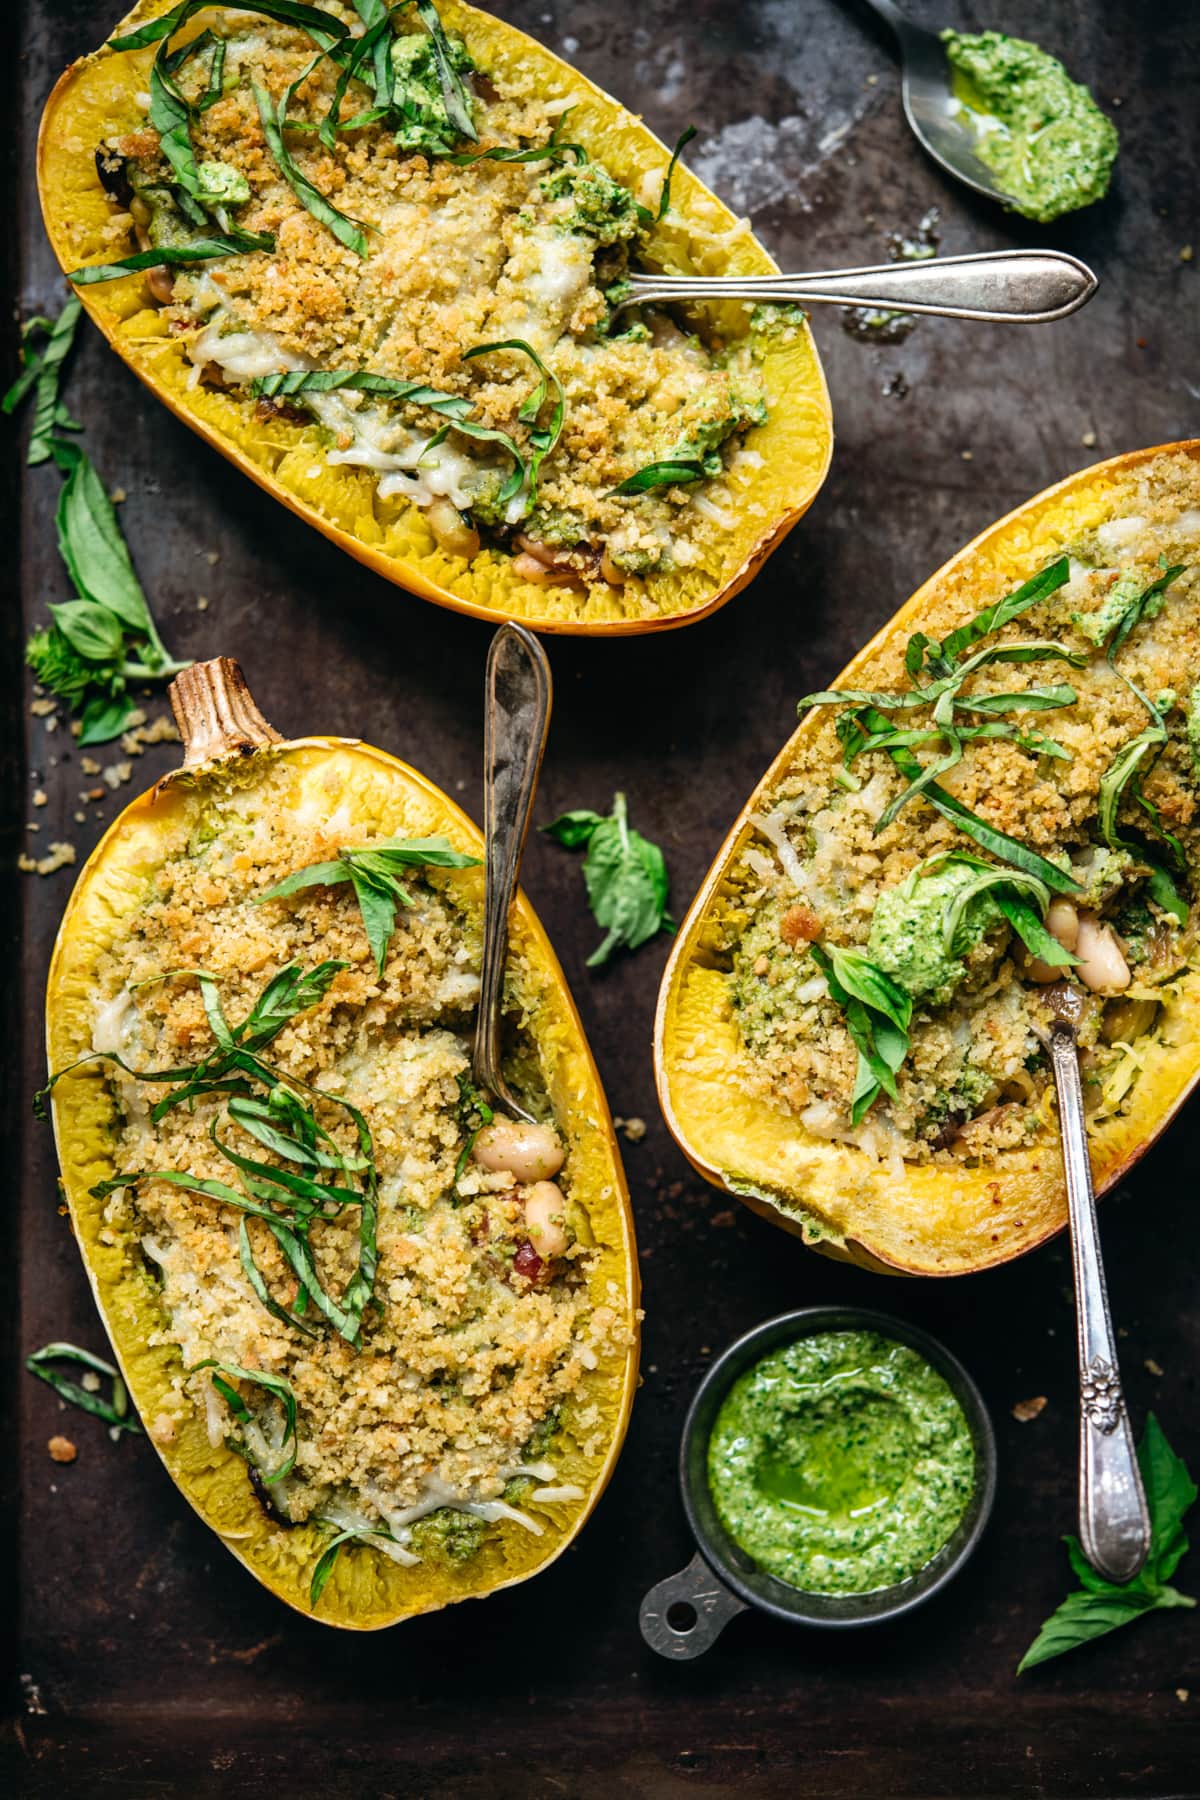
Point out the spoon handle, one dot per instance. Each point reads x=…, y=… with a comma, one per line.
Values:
x=1114, y=1524
x=516, y=720
x=1013, y=286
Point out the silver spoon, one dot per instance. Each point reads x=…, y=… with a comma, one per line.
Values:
x=936, y=116
x=515, y=722
x=1020, y=287
x=1114, y=1524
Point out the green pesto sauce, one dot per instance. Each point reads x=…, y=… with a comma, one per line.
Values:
x=1041, y=134
x=842, y=1463
x=908, y=937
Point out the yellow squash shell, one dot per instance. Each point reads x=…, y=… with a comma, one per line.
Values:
x=932, y=1220
x=379, y=794
x=98, y=95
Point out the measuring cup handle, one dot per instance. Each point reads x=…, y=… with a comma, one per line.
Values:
x=705, y=1608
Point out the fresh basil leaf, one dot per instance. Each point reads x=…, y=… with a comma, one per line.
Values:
x=574, y=829
x=664, y=199
x=104, y=718
x=378, y=908
x=1102, y=1606
x=114, y=1411
x=90, y=629
x=1170, y=1494
x=91, y=544
x=292, y=991
x=1081, y=1617
x=1146, y=606
x=326, y=874
x=296, y=383
x=551, y=152
x=259, y=1288
x=323, y=1567
x=348, y=231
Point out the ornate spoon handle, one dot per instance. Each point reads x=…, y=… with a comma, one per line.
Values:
x=516, y=720
x=1014, y=286
x=1114, y=1524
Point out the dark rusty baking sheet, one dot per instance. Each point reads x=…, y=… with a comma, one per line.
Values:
x=149, y=1664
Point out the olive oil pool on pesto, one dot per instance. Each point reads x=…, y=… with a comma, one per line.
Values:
x=841, y=1463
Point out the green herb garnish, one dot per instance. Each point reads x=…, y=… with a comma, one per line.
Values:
x=202, y=249
x=878, y=1013
x=660, y=212
x=348, y=231
x=670, y=472
x=625, y=875
x=1099, y=1606
x=106, y=637
x=454, y=95
x=452, y=407
x=287, y=1201
x=542, y=438
x=114, y=1411
x=274, y=1385
x=321, y=26
x=328, y=1557
x=42, y=371
x=374, y=871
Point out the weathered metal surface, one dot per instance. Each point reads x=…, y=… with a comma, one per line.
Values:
x=152, y=1665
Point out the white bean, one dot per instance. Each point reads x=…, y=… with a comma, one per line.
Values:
x=454, y=535
x=545, y=1212
x=514, y=1147
x=1062, y=922
x=1101, y=966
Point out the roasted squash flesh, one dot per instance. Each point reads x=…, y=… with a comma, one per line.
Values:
x=940, y=1154
x=134, y=1254
x=661, y=556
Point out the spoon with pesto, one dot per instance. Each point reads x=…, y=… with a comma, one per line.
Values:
x=1003, y=116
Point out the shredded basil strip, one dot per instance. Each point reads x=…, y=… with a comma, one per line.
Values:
x=454, y=95
x=348, y=231
x=114, y=1411
x=542, y=438
x=275, y=1385
x=320, y=25
x=671, y=472
x=328, y=1557
x=201, y=249
x=878, y=1013
x=42, y=372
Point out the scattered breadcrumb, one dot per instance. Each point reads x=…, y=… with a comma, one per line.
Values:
x=62, y=1450
x=1088, y=440
x=39, y=796
x=118, y=494
x=89, y=765
x=116, y=773
x=91, y=1381
x=59, y=856
x=968, y=456
x=41, y=708
x=140, y=736
x=1183, y=1693
x=1025, y=1410
x=724, y=1221
x=1151, y=1367
x=1187, y=253
x=202, y=602
x=634, y=1130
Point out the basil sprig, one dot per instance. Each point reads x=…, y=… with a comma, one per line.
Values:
x=878, y=1013
x=672, y=471
x=625, y=875
x=1099, y=1606
x=106, y=637
x=42, y=370
x=275, y=1385
x=374, y=871
x=114, y=1411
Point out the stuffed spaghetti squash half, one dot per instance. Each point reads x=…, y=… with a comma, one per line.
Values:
x=383, y=1338
x=1002, y=792
x=374, y=254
